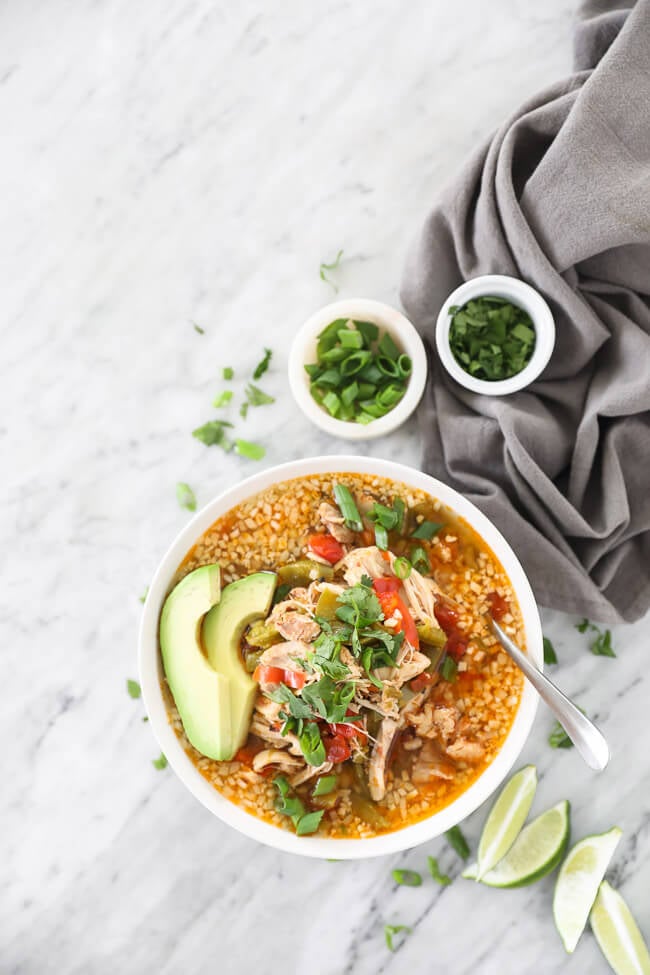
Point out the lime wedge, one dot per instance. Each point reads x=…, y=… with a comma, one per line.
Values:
x=538, y=849
x=617, y=934
x=507, y=816
x=471, y=872
x=578, y=882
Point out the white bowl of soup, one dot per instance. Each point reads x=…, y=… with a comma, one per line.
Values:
x=316, y=663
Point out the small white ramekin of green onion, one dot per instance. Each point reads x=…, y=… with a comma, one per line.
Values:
x=357, y=369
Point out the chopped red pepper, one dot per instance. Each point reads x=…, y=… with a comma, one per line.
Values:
x=326, y=547
x=456, y=645
x=278, y=675
x=337, y=749
x=387, y=590
x=347, y=730
x=446, y=615
x=498, y=605
x=421, y=681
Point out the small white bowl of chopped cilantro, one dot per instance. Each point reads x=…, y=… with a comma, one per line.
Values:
x=357, y=369
x=495, y=334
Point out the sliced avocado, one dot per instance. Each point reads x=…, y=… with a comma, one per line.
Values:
x=202, y=696
x=241, y=603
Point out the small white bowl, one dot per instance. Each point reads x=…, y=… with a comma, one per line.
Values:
x=151, y=674
x=519, y=293
x=303, y=352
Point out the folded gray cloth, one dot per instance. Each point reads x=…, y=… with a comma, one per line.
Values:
x=560, y=196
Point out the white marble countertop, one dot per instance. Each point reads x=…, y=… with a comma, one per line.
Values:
x=194, y=161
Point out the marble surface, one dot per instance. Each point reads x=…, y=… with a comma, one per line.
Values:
x=196, y=161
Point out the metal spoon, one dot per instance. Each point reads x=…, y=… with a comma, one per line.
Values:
x=583, y=733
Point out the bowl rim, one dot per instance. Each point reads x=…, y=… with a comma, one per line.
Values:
x=236, y=816
x=303, y=351
x=520, y=293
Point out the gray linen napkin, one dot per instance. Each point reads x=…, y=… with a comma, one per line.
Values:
x=560, y=196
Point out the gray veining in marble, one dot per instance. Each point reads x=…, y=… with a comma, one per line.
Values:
x=164, y=163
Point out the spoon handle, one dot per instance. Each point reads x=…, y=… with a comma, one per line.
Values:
x=583, y=733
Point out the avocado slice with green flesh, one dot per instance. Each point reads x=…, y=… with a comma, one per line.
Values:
x=242, y=602
x=202, y=696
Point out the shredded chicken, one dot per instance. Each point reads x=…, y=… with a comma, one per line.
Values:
x=466, y=751
x=334, y=522
x=309, y=772
x=363, y=562
x=421, y=596
x=379, y=758
x=292, y=623
x=445, y=721
x=430, y=764
x=273, y=756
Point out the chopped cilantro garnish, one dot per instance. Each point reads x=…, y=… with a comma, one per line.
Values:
x=491, y=338
x=550, y=656
x=213, y=433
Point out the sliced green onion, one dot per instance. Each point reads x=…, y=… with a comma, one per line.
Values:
x=309, y=823
x=427, y=529
x=369, y=331
x=440, y=878
x=407, y=878
x=366, y=390
x=371, y=374
x=332, y=403
x=330, y=377
x=222, y=399
x=355, y=362
x=405, y=366
x=328, y=337
x=350, y=393
x=390, y=395
x=337, y=354
x=449, y=669
x=457, y=841
x=388, y=367
x=324, y=785
x=347, y=507
x=420, y=560
x=312, y=369
x=402, y=567
x=350, y=338
x=388, y=348
x=381, y=537
x=400, y=508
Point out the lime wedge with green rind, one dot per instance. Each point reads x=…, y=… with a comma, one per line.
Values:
x=617, y=933
x=506, y=818
x=538, y=850
x=578, y=882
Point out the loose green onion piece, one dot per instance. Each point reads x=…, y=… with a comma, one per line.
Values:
x=263, y=365
x=332, y=403
x=347, y=507
x=458, y=842
x=185, y=496
x=197, y=328
x=405, y=366
x=420, y=560
x=253, y=451
x=399, y=507
x=133, y=688
x=222, y=399
x=228, y=373
x=427, y=530
x=602, y=645
x=449, y=670
x=257, y=397
x=438, y=876
x=402, y=567
x=550, y=656
x=558, y=737
x=243, y=410
x=407, y=878
x=332, y=266
x=324, y=785
x=159, y=763
x=491, y=340
x=309, y=823
x=388, y=348
x=390, y=930
x=381, y=537
x=350, y=339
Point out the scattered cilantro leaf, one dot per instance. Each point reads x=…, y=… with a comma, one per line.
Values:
x=159, y=763
x=438, y=876
x=390, y=930
x=602, y=645
x=333, y=266
x=213, y=433
x=458, y=842
x=185, y=496
x=550, y=656
x=263, y=365
x=583, y=625
x=491, y=338
x=133, y=688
